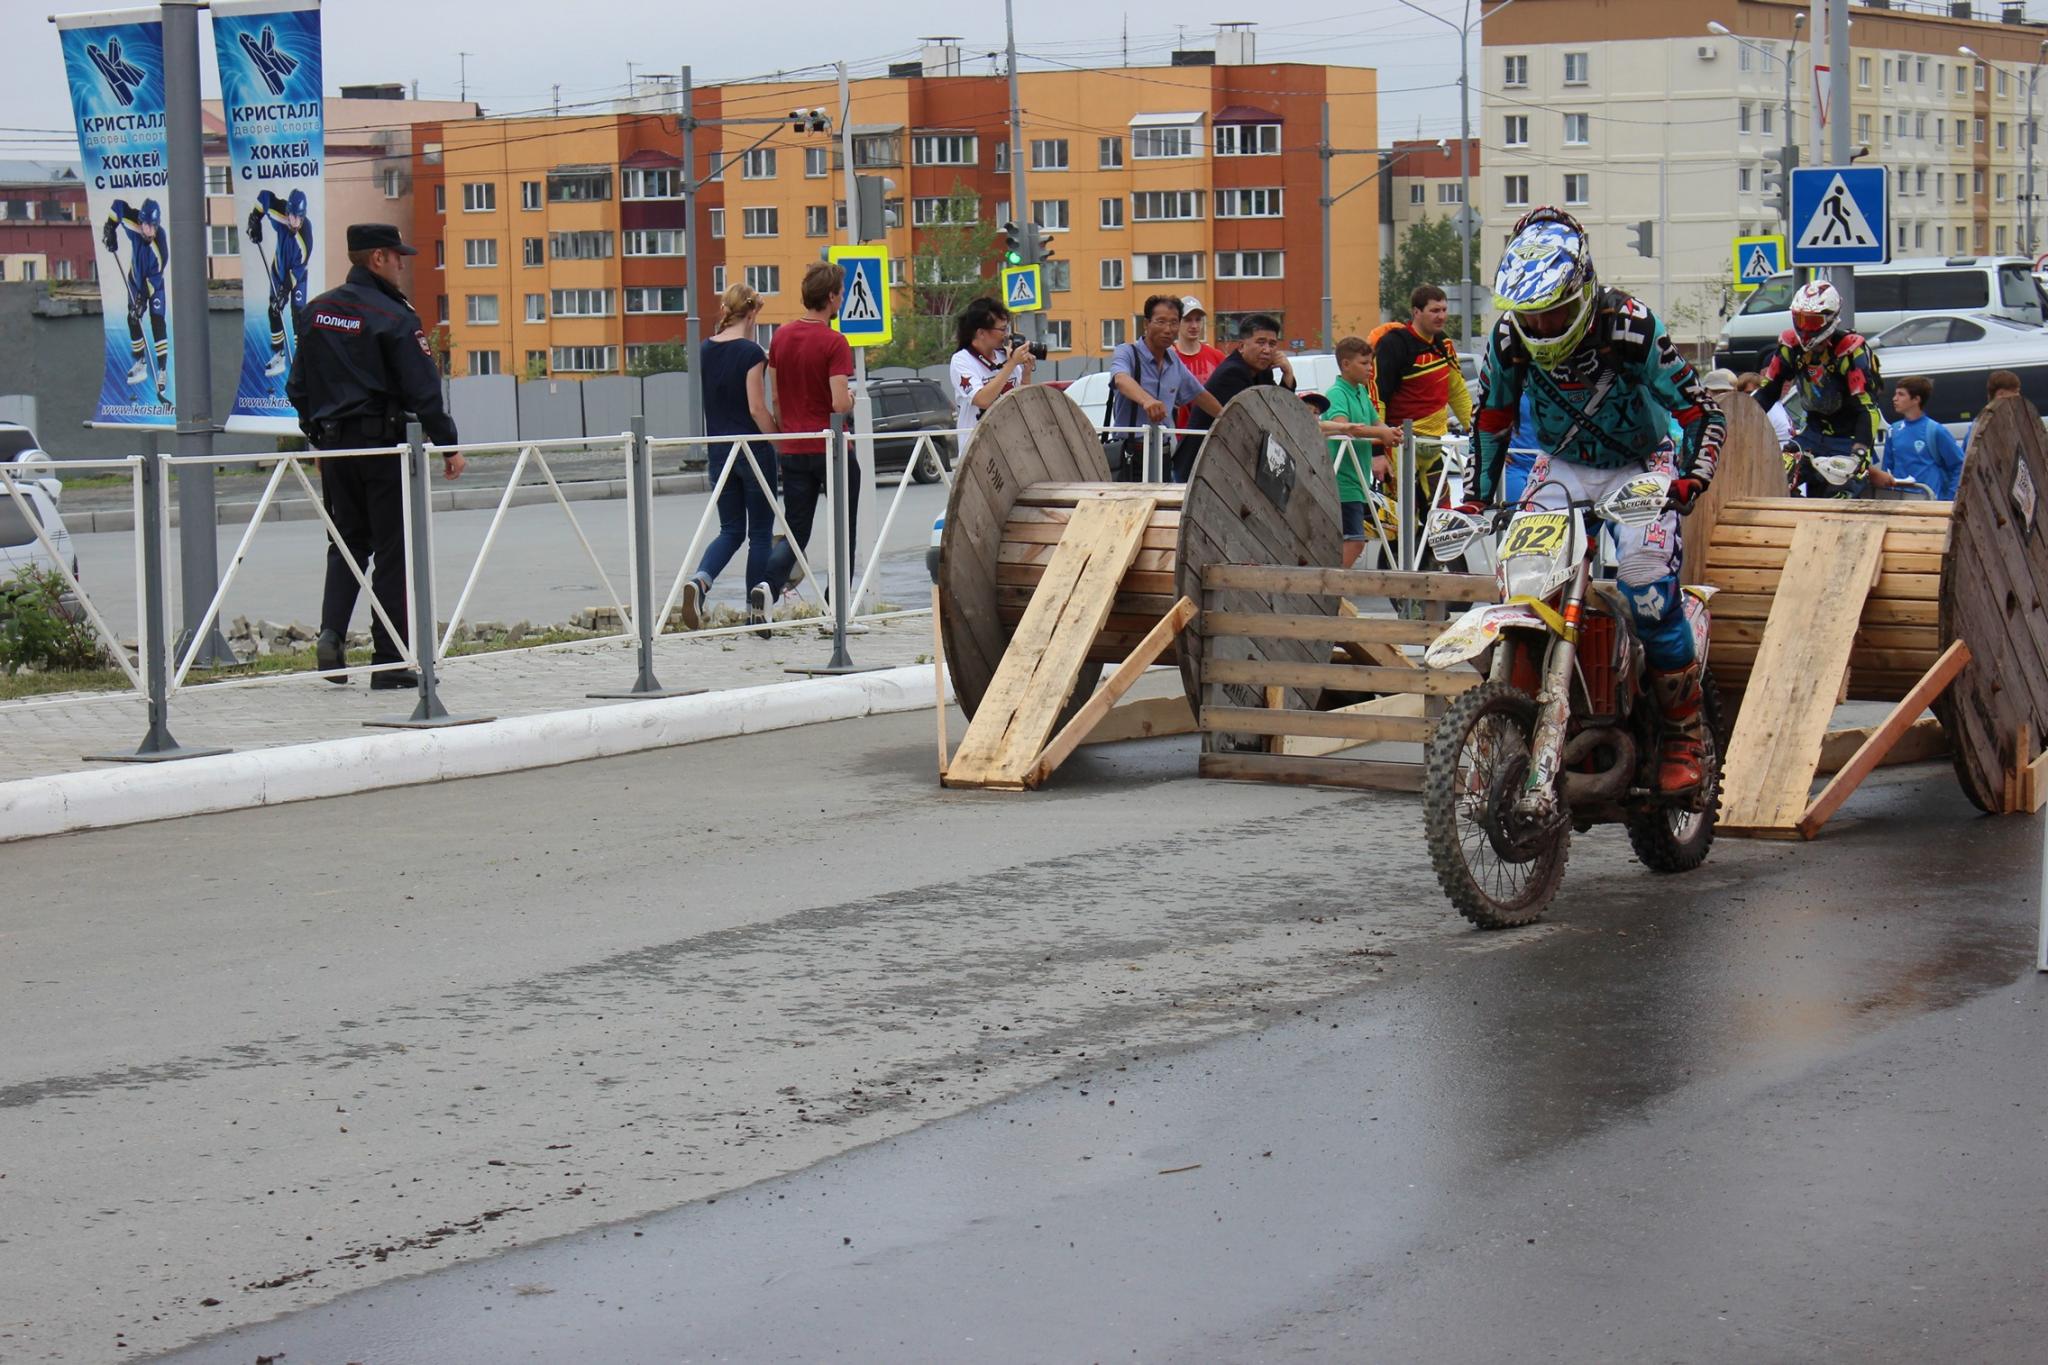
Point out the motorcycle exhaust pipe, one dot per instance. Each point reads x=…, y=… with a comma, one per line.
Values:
x=1611, y=782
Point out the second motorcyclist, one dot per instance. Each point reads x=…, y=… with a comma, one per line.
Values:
x=1837, y=379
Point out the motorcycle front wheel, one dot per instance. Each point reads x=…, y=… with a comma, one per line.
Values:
x=1496, y=869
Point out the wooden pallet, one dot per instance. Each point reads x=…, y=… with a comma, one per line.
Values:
x=1009, y=744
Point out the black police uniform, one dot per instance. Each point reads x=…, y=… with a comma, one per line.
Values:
x=362, y=364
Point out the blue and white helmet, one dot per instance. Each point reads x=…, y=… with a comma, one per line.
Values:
x=1547, y=268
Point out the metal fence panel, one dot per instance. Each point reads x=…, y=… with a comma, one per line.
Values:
x=667, y=398
x=610, y=404
x=485, y=407
x=550, y=409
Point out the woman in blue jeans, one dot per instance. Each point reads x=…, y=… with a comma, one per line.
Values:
x=735, y=371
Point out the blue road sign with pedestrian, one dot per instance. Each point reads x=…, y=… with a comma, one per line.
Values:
x=1023, y=289
x=1756, y=260
x=1840, y=215
x=865, y=318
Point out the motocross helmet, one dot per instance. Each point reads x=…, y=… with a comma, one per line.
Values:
x=1546, y=285
x=296, y=205
x=1816, y=314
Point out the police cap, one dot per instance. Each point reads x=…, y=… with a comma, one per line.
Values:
x=372, y=236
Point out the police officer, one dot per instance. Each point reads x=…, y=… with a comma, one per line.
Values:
x=361, y=367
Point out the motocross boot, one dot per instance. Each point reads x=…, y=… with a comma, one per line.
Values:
x=1678, y=698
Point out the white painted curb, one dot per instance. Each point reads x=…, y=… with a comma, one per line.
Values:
x=131, y=793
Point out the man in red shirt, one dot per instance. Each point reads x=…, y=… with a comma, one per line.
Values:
x=809, y=365
x=1199, y=356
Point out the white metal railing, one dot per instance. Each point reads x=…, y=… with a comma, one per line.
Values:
x=12, y=476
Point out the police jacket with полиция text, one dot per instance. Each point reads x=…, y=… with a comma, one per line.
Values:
x=362, y=364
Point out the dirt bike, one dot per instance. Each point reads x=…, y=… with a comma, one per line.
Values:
x=1563, y=734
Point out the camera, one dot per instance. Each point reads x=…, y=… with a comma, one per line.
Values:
x=1037, y=348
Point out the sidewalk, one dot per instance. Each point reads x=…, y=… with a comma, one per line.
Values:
x=42, y=737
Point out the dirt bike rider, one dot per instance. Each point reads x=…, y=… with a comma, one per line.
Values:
x=1602, y=376
x=1838, y=381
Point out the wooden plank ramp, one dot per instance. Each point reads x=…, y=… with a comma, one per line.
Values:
x=1800, y=669
x=1038, y=671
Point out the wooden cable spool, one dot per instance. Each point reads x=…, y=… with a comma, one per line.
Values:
x=1035, y=456
x=1994, y=578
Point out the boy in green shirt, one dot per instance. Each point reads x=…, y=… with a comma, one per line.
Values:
x=1353, y=415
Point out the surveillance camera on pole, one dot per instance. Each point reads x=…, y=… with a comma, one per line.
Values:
x=809, y=121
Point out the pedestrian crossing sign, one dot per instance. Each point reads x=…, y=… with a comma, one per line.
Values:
x=1023, y=288
x=1839, y=215
x=1756, y=260
x=864, y=315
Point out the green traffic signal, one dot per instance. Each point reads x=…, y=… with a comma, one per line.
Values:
x=1014, y=257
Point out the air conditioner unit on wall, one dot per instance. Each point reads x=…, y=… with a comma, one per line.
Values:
x=1708, y=52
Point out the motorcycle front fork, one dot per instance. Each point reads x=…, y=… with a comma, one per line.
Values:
x=1553, y=709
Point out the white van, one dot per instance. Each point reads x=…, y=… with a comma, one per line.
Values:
x=1887, y=295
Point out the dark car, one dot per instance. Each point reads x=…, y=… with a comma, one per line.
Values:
x=904, y=408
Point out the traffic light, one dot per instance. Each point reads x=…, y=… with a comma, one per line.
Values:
x=1040, y=243
x=1643, y=237
x=1015, y=243
x=1776, y=182
x=874, y=217
x=809, y=121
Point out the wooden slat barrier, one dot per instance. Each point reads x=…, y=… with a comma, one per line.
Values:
x=1404, y=712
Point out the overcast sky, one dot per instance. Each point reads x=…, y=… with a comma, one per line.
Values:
x=519, y=49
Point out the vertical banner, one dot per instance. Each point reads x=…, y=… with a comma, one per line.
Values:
x=269, y=57
x=114, y=63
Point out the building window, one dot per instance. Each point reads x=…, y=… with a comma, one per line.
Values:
x=1002, y=158
x=718, y=279
x=480, y=252
x=1515, y=191
x=817, y=162
x=1919, y=236
x=1109, y=154
x=536, y=307
x=482, y=309
x=1743, y=178
x=1163, y=143
x=1249, y=265
x=760, y=222
x=1577, y=67
x=931, y=211
x=652, y=242
x=580, y=246
x=764, y=279
x=533, y=251
x=717, y=217
x=1059, y=276
x=1112, y=213
x=220, y=240
x=1112, y=333
x=944, y=149
x=61, y=268
x=1260, y=203
x=1742, y=118
x=1998, y=187
x=1863, y=72
x=636, y=183
x=1976, y=129
x=764, y=334
x=440, y=253
x=1161, y=266
x=441, y=199
x=898, y=272
x=1863, y=129
x=1742, y=62
x=1919, y=71
x=1980, y=86
x=536, y=364
x=1418, y=193
x=1887, y=73
x=1920, y=183
x=1113, y=272
x=392, y=181
x=1976, y=182
x=1059, y=333
x=579, y=186
x=1159, y=206
x=441, y=308
x=817, y=221
x=1578, y=189
x=483, y=362
x=1919, y=128
x=581, y=303
x=529, y=195
x=758, y=164
x=218, y=185
x=653, y=299
x=1514, y=71
x=1767, y=111
x=479, y=198
x=1048, y=154
x=1515, y=132
x=2001, y=95
x=585, y=359
x=1887, y=130
x=876, y=149
x=1999, y=136
x=1578, y=128
x=1050, y=214
x=1248, y=139
x=1450, y=192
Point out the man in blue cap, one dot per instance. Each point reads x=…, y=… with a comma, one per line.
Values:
x=363, y=368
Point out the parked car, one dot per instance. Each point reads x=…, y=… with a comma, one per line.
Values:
x=1888, y=295
x=1957, y=353
x=16, y=441
x=34, y=475
x=904, y=408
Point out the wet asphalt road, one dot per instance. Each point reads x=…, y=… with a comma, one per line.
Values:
x=1137, y=1068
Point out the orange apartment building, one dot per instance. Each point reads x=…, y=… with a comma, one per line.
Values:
x=1189, y=179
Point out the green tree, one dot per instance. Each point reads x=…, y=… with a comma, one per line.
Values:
x=663, y=357
x=536, y=366
x=951, y=263
x=1426, y=254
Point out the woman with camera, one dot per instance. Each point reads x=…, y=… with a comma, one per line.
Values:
x=986, y=365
